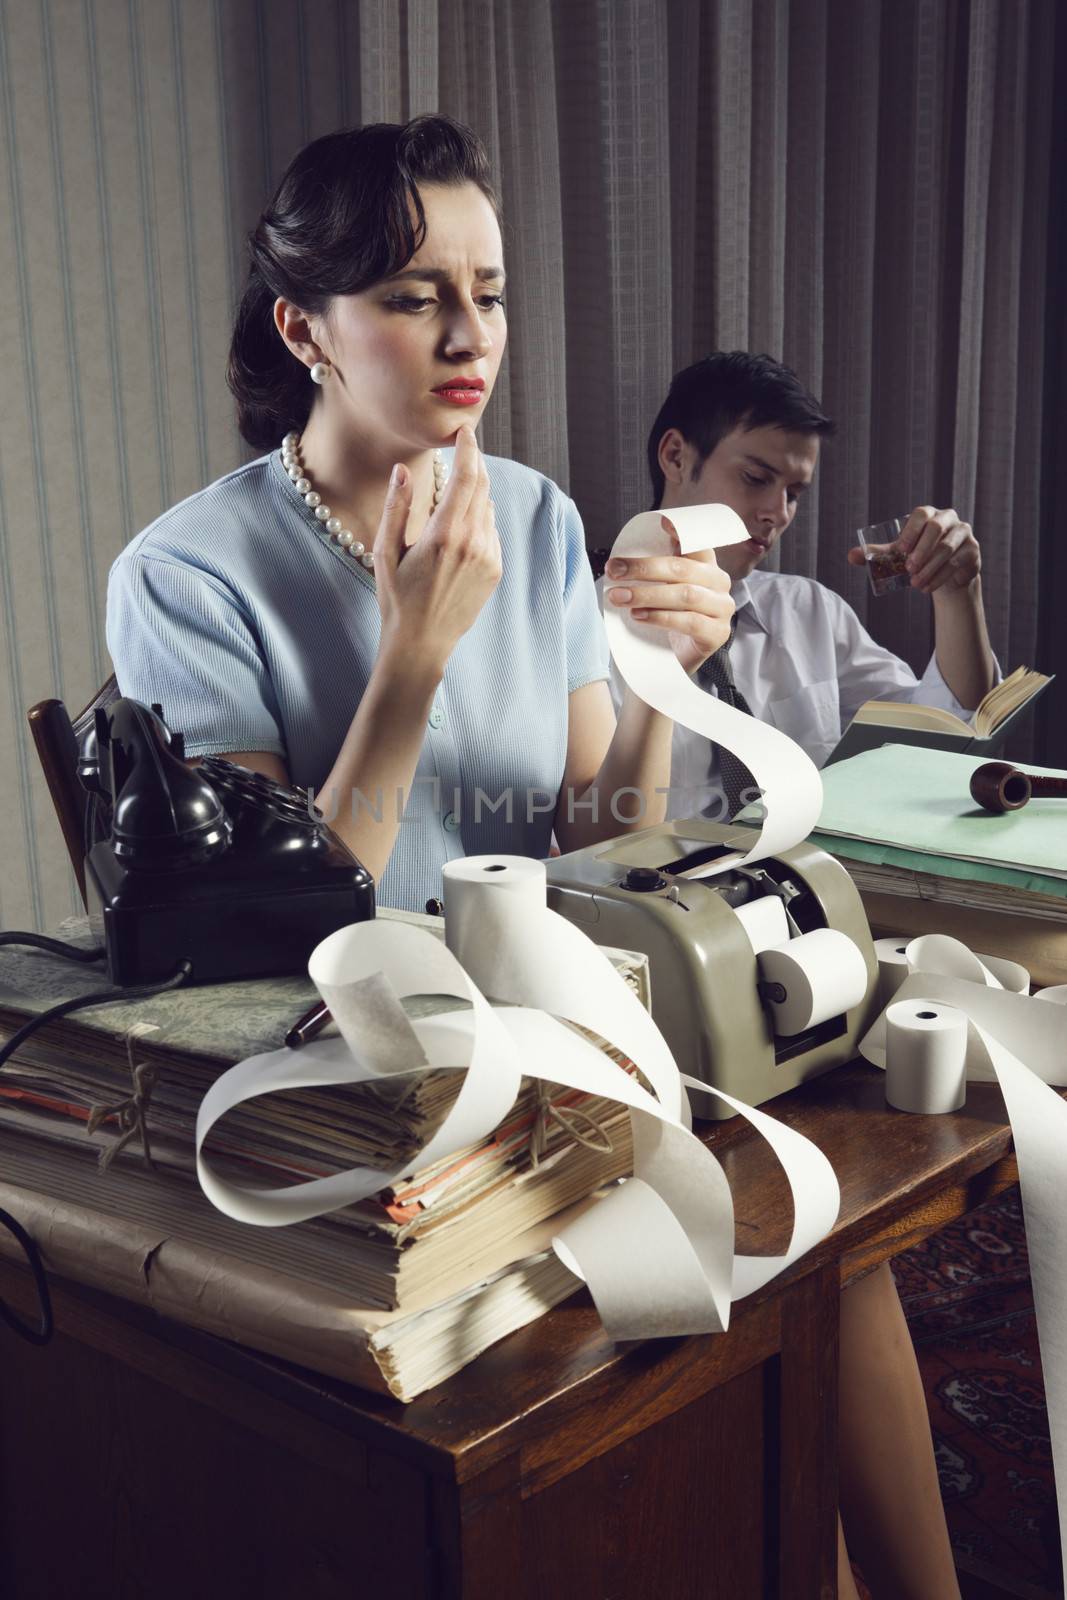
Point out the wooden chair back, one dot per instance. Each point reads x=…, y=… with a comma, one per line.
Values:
x=83, y=817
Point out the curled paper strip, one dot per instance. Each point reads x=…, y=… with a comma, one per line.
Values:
x=657, y=1252
x=1017, y=1042
x=678, y=1221
x=898, y=956
x=788, y=778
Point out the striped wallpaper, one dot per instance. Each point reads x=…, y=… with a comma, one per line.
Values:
x=847, y=183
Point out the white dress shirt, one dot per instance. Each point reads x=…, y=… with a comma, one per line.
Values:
x=805, y=663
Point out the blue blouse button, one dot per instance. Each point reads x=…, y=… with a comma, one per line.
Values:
x=451, y=823
x=437, y=716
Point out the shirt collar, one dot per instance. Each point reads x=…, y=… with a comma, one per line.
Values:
x=748, y=596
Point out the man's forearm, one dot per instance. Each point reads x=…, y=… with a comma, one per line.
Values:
x=962, y=643
x=638, y=758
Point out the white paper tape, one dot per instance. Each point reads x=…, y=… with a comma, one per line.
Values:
x=413, y=962
x=898, y=956
x=498, y=924
x=925, y=1056
x=657, y=1252
x=499, y=927
x=792, y=788
x=937, y=952
x=1017, y=1042
x=822, y=974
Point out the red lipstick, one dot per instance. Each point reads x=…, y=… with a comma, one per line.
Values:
x=461, y=391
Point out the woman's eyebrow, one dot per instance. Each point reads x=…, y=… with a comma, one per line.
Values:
x=439, y=275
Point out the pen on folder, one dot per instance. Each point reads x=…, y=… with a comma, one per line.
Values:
x=312, y=1022
x=309, y=1025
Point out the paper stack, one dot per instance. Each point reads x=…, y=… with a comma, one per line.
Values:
x=366, y=1290
x=926, y=858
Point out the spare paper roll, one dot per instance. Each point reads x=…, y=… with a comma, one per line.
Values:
x=925, y=1056
x=893, y=966
x=821, y=974
x=764, y=921
x=789, y=780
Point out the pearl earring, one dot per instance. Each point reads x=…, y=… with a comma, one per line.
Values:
x=320, y=372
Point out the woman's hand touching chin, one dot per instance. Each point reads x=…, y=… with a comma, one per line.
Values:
x=431, y=593
x=687, y=595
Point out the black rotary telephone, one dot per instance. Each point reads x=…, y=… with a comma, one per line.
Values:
x=213, y=864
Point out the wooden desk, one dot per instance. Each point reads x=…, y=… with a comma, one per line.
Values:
x=140, y=1459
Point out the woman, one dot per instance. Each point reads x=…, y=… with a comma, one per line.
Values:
x=346, y=614
x=337, y=613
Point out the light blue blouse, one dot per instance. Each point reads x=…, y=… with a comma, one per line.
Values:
x=236, y=612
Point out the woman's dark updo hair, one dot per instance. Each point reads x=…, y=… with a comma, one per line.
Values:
x=340, y=220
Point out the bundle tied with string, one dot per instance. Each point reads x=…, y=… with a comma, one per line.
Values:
x=131, y=1113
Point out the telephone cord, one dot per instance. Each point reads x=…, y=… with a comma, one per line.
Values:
x=56, y=947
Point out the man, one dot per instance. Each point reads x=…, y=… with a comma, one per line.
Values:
x=741, y=430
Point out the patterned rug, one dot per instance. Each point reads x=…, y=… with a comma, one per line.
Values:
x=966, y=1295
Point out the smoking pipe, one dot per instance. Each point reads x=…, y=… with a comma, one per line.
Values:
x=1000, y=787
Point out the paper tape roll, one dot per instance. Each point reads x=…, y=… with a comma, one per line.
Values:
x=764, y=921
x=925, y=1056
x=1056, y=992
x=822, y=973
x=472, y=886
x=893, y=966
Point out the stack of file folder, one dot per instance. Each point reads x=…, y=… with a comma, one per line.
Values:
x=394, y=1293
x=926, y=858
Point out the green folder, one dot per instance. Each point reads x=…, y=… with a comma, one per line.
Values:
x=903, y=805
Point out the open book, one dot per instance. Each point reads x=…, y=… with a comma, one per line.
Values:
x=878, y=721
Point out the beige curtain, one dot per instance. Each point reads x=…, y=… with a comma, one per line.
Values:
x=859, y=186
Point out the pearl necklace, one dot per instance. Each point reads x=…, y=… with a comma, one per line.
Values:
x=343, y=537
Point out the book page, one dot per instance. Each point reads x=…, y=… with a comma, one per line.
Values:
x=902, y=714
x=1006, y=697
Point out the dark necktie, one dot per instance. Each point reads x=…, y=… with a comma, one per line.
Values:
x=716, y=673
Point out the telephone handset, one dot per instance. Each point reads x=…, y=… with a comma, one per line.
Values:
x=214, y=864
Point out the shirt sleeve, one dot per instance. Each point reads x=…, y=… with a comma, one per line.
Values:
x=615, y=683
x=868, y=671
x=178, y=638
x=586, y=641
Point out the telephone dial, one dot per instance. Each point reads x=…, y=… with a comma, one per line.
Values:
x=214, y=864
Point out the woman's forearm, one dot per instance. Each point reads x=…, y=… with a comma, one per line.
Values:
x=630, y=790
x=364, y=796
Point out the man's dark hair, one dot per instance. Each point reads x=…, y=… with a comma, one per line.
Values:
x=728, y=390
x=346, y=214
